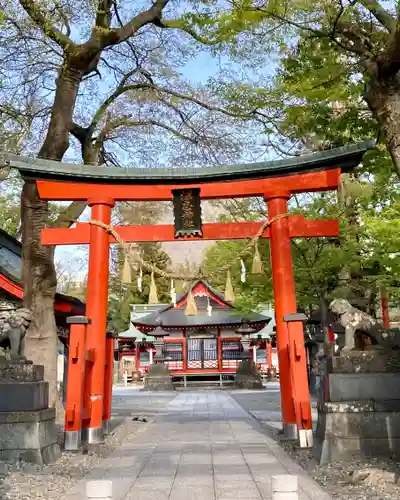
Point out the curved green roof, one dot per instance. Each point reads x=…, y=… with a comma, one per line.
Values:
x=346, y=158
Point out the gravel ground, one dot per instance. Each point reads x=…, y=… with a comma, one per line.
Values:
x=358, y=480
x=23, y=481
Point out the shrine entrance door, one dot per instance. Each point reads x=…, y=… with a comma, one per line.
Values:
x=202, y=353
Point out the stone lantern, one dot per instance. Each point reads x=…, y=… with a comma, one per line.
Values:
x=245, y=330
x=159, y=377
x=247, y=375
x=159, y=334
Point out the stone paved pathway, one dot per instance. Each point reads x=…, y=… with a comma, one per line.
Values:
x=203, y=446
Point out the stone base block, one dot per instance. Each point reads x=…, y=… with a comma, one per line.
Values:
x=23, y=372
x=361, y=386
x=372, y=361
x=16, y=396
x=353, y=429
x=247, y=376
x=30, y=436
x=158, y=378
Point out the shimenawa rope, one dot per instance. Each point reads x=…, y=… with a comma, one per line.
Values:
x=137, y=259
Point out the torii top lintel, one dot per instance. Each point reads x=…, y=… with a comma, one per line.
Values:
x=312, y=172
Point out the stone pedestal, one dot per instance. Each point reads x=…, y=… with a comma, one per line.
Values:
x=158, y=378
x=247, y=375
x=27, y=425
x=359, y=407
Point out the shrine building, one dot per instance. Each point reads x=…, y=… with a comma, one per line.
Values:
x=201, y=336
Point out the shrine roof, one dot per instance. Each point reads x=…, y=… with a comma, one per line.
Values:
x=176, y=318
x=346, y=158
x=223, y=313
x=10, y=270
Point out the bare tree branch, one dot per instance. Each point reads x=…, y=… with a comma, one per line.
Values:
x=380, y=14
x=118, y=35
x=37, y=15
x=103, y=14
x=126, y=122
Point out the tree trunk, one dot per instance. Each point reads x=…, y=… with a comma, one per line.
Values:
x=382, y=95
x=38, y=273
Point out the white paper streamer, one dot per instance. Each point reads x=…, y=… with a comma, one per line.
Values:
x=243, y=274
x=209, y=307
x=173, y=293
x=140, y=280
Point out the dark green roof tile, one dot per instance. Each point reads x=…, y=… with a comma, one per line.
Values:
x=346, y=157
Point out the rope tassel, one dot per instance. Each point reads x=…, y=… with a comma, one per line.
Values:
x=191, y=307
x=229, y=293
x=153, y=295
x=257, y=267
x=126, y=277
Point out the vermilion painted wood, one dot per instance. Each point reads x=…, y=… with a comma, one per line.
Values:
x=299, y=183
x=298, y=228
x=298, y=369
x=96, y=310
x=200, y=288
x=184, y=350
x=269, y=355
x=17, y=291
x=76, y=368
x=285, y=299
x=108, y=378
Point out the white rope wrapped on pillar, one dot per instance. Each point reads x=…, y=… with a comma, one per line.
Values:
x=285, y=487
x=99, y=490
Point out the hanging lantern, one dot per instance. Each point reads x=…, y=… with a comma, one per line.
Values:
x=187, y=212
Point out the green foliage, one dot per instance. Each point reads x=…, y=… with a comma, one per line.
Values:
x=313, y=103
x=257, y=289
x=9, y=216
x=121, y=296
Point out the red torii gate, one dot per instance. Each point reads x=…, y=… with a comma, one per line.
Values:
x=90, y=375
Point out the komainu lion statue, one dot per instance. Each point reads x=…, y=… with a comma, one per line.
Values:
x=14, y=322
x=362, y=330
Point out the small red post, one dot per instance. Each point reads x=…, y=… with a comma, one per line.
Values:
x=108, y=382
x=269, y=354
x=298, y=372
x=285, y=302
x=184, y=349
x=75, y=384
x=137, y=357
x=385, y=308
x=96, y=309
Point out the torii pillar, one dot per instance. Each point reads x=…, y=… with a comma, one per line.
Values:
x=96, y=310
x=292, y=366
